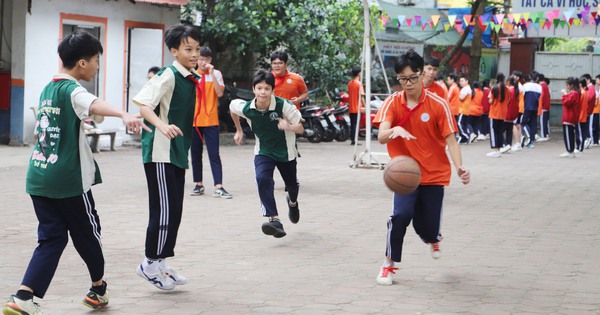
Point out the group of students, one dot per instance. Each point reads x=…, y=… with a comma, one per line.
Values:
x=178, y=107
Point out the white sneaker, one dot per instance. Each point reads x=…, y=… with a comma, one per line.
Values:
x=385, y=275
x=567, y=155
x=542, y=139
x=577, y=151
x=177, y=278
x=14, y=305
x=481, y=137
x=494, y=154
x=587, y=143
x=435, y=250
x=505, y=149
x=516, y=147
x=472, y=138
x=159, y=280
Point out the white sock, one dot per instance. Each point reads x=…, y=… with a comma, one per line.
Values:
x=151, y=266
x=387, y=263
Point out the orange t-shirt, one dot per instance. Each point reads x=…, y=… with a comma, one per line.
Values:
x=521, y=100
x=355, y=89
x=289, y=86
x=498, y=109
x=208, y=114
x=430, y=122
x=597, y=106
x=465, y=103
x=476, y=108
x=584, y=105
x=453, y=99
x=437, y=89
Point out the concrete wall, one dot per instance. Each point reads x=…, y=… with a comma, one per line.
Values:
x=43, y=33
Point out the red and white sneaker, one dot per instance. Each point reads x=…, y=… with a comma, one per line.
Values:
x=435, y=250
x=385, y=275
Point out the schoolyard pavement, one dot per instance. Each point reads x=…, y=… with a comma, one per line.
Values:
x=523, y=237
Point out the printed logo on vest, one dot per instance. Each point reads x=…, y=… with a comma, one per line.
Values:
x=425, y=117
x=289, y=81
x=273, y=116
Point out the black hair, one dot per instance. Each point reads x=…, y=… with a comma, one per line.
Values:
x=517, y=73
x=527, y=78
x=409, y=59
x=598, y=76
x=179, y=33
x=439, y=76
x=534, y=76
x=515, y=83
x=499, y=87
x=547, y=80
x=541, y=77
x=154, y=70
x=355, y=71
x=475, y=85
x=453, y=76
x=583, y=83
x=205, y=51
x=574, y=82
x=77, y=46
x=281, y=55
x=263, y=76
x=486, y=83
x=587, y=76
x=432, y=61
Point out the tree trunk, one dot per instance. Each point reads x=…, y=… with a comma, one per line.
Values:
x=476, y=43
x=464, y=35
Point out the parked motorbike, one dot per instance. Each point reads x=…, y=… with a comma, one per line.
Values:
x=313, y=123
x=343, y=121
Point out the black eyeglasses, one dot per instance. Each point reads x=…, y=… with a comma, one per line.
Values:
x=412, y=79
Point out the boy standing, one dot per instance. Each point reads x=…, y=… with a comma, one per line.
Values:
x=419, y=124
x=275, y=123
x=60, y=175
x=167, y=103
x=206, y=125
x=356, y=100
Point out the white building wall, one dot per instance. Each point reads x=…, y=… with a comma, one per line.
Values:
x=43, y=27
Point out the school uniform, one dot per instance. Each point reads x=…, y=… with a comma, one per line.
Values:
x=570, y=118
x=171, y=93
x=531, y=95
x=59, y=178
x=274, y=148
x=430, y=121
x=498, y=112
x=545, y=115
x=463, y=116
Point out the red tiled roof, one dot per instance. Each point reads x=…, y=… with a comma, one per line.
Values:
x=165, y=2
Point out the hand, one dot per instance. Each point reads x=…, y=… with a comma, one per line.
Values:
x=464, y=174
x=210, y=68
x=294, y=99
x=283, y=124
x=170, y=131
x=401, y=132
x=134, y=123
x=238, y=137
x=563, y=91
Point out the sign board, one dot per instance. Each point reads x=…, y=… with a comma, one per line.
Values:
x=520, y=6
x=395, y=49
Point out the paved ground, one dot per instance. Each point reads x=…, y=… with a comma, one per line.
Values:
x=522, y=238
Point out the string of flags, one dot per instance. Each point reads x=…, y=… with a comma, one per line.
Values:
x=508, y=23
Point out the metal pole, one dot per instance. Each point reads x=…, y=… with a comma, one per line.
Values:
x=367, y=41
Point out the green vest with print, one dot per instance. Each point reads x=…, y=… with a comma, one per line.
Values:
x=264, y=125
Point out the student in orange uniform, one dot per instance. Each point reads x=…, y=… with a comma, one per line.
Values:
x=206, y=126
x=453, y=92
x=512, y=113
x=518, y=76
x=499, y=98
x=465, y=96
x=581, y=127
x=595, y=118
x=439, y=79
x=288, y=85
x=571, y=111
x=476, y=111
x=430, y=71
x=355, y=90
x=418, y=124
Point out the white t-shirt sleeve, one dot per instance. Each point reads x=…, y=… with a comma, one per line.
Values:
x=237, y=106
x=219, y=77
x=81, y=100
x=291, y=113
x=153, y=91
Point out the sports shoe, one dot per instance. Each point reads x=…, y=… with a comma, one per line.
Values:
x=516, y=147
x=494, y=154
x=472, y=138
x=523, y=141
x=294, y=213
x=95, y=301
x=273, y=227
x=16, y=306
x=530, y=145
x=197, y=191
x=175, y=276
x=385, y=275
x=481, y=137
x=542, y=139
x=505, y=149
x=587, y=143
x=159, y=280
x=577, y=151
x=567, y=155
x=435, y=250
x=222, y=193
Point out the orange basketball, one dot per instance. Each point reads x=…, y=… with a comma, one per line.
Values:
x=402, y=175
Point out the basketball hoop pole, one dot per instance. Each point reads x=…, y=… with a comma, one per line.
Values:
x=365, y=158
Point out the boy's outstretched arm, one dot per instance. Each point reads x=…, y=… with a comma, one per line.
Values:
x=239, y=134
x=170, y=131
x=455, y=154
x=133, y=122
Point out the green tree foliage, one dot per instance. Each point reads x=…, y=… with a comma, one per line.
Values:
x=322, y=37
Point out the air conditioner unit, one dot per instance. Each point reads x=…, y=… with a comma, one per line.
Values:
x=406, y=2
